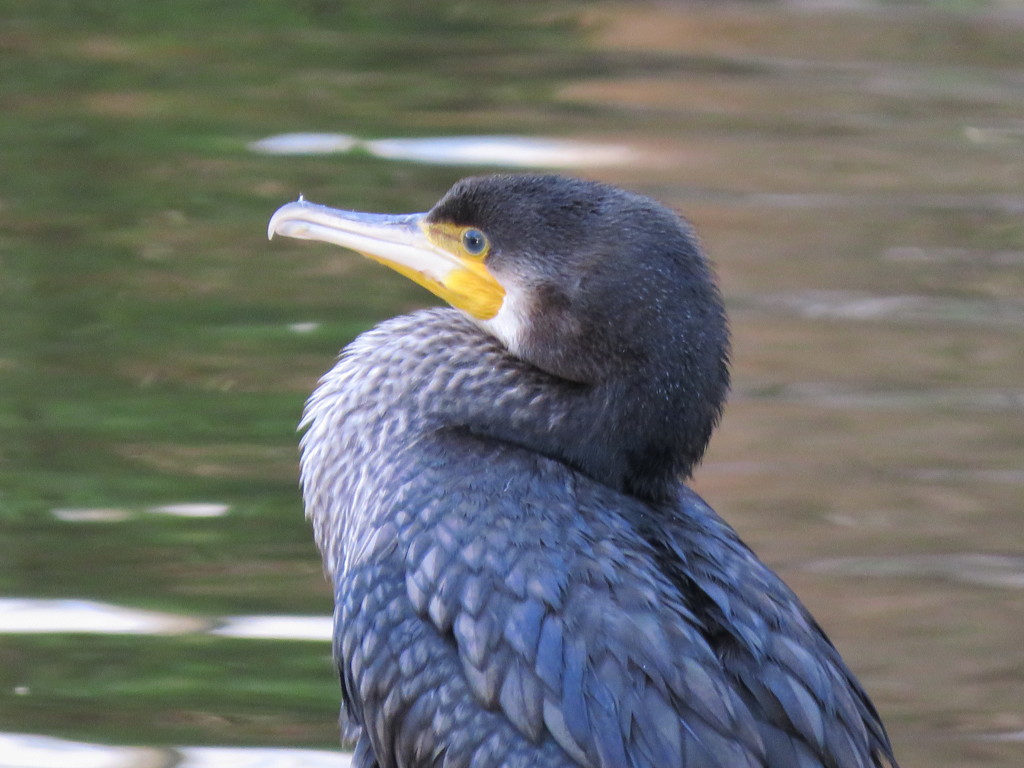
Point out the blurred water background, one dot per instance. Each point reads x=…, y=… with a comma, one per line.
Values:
x=855, y=168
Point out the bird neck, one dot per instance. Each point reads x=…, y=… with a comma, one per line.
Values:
x=435, y=370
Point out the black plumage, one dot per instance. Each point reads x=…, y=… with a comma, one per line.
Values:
x=521, y=576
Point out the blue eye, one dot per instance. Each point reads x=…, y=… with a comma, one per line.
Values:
x=474, y=241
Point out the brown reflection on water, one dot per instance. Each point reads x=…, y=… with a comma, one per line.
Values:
x=864, y=232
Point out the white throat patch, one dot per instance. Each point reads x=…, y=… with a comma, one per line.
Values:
x=508, y=326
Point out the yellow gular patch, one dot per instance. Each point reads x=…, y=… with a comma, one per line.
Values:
x=469, y=286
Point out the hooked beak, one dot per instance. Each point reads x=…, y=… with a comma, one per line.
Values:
x=408, y=244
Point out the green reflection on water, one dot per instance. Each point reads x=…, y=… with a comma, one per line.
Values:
x=167, y=691
x=146, y=353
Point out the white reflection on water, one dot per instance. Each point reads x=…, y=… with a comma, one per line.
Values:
x=277, y=627
x=92, y=515
x=117, y=515
x=256, y=757
x=507, y=151
x=192, y=509
x=305, y=144
x=25, y=615
x=32, y=615
x=25, y=750
x=511, y=151
x=1009, y=736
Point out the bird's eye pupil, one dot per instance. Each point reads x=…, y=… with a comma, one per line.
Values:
x=474, y=241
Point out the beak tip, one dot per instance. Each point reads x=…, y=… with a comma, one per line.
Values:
x=273, y=226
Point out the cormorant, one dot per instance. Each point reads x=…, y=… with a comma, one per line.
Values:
x=521, y=576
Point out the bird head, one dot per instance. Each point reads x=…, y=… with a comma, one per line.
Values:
x=575, y=277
